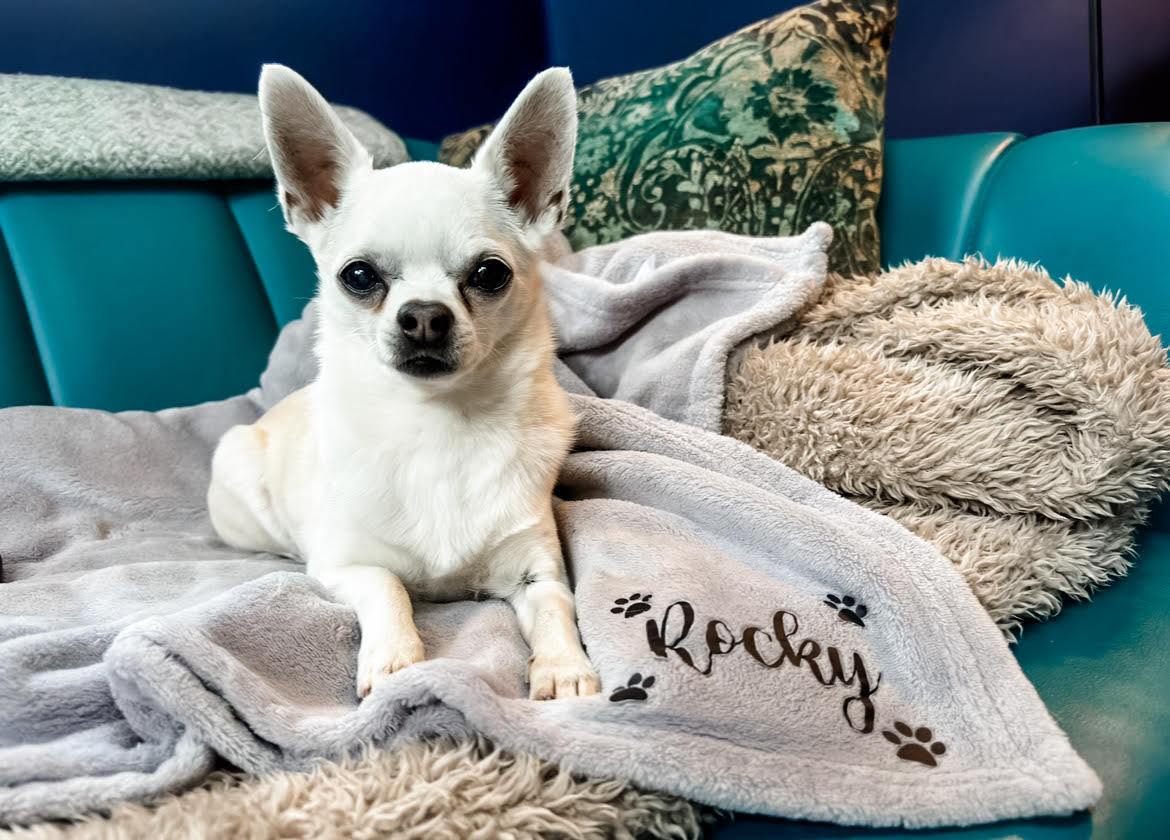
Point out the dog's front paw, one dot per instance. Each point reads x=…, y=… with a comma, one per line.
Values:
x=382, y=657
x=552, y=677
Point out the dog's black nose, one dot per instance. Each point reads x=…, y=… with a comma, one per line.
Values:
x=425, y=323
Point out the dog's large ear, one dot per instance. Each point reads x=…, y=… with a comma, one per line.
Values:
x=530, y=151
x=312, y=151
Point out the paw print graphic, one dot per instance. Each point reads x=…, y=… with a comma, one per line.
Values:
x=847, y=609
x=635, y=605
x=634, y=689
x=915, y=750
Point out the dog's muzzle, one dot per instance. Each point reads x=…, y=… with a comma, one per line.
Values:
x=424, y=340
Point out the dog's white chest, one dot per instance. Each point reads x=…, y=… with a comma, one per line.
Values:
x=429, y=502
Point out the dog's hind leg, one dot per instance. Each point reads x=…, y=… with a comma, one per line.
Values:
x=238, y=498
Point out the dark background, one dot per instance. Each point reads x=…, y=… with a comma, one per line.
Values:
x=426, y=69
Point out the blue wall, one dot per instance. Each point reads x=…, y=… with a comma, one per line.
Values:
x=1137, y=60
x=994, y=65
x=429, y=68
x=957, y=66
x=423, y=68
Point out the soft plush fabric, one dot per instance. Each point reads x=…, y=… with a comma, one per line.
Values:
x=57, y=129
x=715, y=588
x=762, y=132
x=1016, y=423
x=661, y=334
x=447, y=790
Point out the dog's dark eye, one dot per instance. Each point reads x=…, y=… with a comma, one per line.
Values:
x=490, y=275
x=360, y=278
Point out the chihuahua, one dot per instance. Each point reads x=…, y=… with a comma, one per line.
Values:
x=423, y=457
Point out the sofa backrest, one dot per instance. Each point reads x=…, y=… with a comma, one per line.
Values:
x=1091, y=203
x=128, y=295
x=147, y=295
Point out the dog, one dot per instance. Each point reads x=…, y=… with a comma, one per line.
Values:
x=422, y=459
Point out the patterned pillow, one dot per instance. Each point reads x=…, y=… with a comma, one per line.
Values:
x=762, y=132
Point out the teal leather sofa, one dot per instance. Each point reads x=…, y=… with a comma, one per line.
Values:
x=145, y=295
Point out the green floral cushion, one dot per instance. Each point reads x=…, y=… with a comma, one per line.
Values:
x=762, y=132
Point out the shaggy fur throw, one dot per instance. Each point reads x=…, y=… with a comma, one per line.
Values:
x=1019, y=424
x=439, y=791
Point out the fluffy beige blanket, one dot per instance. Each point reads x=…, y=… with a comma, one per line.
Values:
x=1019, y=424
x=441, y=791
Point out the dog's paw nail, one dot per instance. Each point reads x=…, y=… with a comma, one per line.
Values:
x=373, y=667
x=554, y=680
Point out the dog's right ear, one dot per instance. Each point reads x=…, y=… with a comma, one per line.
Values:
x=529, y=153
x=313, y=153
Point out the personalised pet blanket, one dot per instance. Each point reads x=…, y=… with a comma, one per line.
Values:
x=763, y=644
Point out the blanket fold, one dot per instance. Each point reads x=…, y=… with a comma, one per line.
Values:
x=763, y=643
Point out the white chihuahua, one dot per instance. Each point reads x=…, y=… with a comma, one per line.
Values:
x=423, y=457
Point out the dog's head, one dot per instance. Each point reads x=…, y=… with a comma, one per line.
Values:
x=427, y=268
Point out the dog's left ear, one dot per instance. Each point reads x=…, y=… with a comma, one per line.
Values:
x=530, y=151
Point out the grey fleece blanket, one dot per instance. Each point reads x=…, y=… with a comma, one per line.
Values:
x=764, y=645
